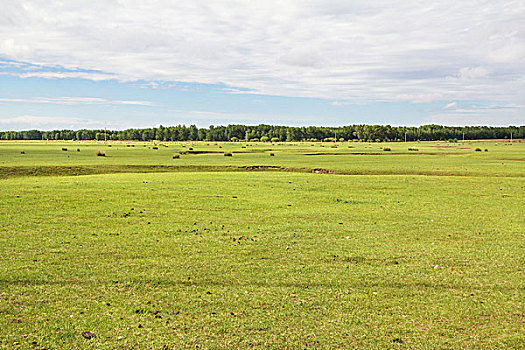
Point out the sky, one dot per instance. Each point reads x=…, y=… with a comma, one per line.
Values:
x=120, y=64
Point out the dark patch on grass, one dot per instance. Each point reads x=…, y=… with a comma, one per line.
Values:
x=88, y=335
x=262, y=167
x=18, y=171
x=359, y=260
x=350, y=201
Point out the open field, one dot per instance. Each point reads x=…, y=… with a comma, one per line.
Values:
x=378, y=249
x=431, y=158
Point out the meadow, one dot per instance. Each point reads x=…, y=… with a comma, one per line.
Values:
x=320, y=245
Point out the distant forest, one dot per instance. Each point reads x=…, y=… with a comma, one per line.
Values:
x=369, y=133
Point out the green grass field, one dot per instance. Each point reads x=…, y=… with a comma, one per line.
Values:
x=378, y=249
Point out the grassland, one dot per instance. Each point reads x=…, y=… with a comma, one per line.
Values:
x=382, y=249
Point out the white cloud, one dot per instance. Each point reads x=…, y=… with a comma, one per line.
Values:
x=75, y=101
x=472, y=73
x=10, y=64
x=462, y=119
x=168, y=117
x=451, y=105
x=25, y=122
x=63, y=75
x=206, y=117
x=339, y=50
x=494, y=115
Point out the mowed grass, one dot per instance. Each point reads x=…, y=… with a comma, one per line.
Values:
x=247, y=259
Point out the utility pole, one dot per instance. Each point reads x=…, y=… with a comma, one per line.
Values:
x=405, y=137
x=335, y=136
x=463, y=136
x=511, y=137
x=105, y=137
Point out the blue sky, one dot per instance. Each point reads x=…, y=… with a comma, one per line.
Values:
x=119, y=64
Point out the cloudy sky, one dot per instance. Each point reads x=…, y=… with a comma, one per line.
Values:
x=117, y=64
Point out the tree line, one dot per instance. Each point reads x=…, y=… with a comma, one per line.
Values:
x=262, y=132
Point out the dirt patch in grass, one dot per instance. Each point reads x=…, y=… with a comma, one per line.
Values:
x=263, y=167
x=9, y=172
x=19, y=171
x=321, y=171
